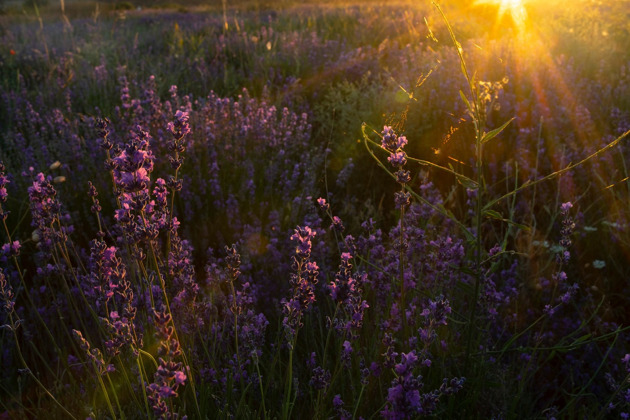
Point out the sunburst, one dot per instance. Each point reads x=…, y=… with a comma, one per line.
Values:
x=514, y=8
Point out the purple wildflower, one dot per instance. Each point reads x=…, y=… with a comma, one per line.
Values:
x=398, y=159
x=402, y=199
x=121, y=328
x=346, y=353
x=170, y=374
x=391, y=141
x=92, y=193
x=560, y=277
x=179, y=129
x=346, y=290
x=302, y=281
x=93, y=354
x=320, y=378
x=337, y=224
x=389, y=355
x=341, y=412
x=323, y=204
x=46, y=212
x=11, y=250
x=403, y=176
x=303, y=236
x=404, y=397
x=435, y=313
x=568, y=225
x=7, y=297
x=158, y=208
x=102, y=127
x=186, y=305
x=134, y=163
x=4, y=180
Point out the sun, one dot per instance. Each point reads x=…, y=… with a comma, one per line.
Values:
x=514, y=8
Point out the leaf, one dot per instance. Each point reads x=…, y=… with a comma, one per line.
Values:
x=581, y=339
x=493, y=214
x=467, y=182
x=496, y=215
x=463, y=179
x=465, y=99
x=492, y=134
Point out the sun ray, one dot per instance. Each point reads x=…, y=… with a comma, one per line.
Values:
x=514, y=8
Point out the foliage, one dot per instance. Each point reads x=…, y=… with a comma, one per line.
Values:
x=345, y=211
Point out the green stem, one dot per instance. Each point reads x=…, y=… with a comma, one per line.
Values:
x=142, y=385
x=401, y=271
x=328, y=334
x=559, y=172
x=289, y=382
x=262, y=392
x=234, y=312
x=30, y=372
x=111, y=385
x=356, y=405
x=478, y=119
x=27, y=293
x=478, y=245
x=105, y=394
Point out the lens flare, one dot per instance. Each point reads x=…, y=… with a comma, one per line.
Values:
x=513, y=8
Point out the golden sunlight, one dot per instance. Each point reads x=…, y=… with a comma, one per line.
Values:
x=514, y=8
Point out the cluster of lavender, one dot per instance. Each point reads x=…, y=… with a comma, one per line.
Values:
x=170, y=373
x=59, y=133
x=347, y=290
x=46, y=213
x=394, y=144
x=379, y=305
x=93, y=355
x=8, y=297
x=115, y=291
x=143, y=222
x=563, y=256
x=237, y=330
x=302, y=282
x=404, y=398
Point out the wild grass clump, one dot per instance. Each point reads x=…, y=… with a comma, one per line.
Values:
x=196, y=223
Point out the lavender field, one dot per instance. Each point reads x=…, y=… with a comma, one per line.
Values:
x=311, y=210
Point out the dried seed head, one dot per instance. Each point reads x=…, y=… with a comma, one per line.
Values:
x=55, y=165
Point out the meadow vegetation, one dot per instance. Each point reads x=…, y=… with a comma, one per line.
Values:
x=280, y=209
